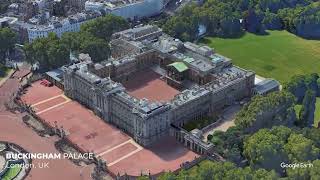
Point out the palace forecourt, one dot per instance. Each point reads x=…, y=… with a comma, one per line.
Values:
x=89, y=133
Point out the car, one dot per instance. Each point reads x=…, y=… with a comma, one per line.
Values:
x=46, y=83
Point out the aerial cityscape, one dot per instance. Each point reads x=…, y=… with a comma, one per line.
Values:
x=159, y=89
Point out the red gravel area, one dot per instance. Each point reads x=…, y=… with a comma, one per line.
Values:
x=21, y=73
x=118, y=152
x=163, y=156
x=147, y=84
x=12, y=129
x=83, y=128
x=90, y=133
x=37, y=93
x=48, y=104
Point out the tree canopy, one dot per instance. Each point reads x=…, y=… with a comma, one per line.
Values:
x=268, y=148
x=93, y=38
x=7, y=42
x=4, y=6
x=266, y=111
x=48, y=52
x=228, y=18
x=219, y=170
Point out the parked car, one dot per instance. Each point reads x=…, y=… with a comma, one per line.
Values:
x=46, y=83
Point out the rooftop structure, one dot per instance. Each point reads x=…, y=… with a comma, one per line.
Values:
x=7, y=21
x=129, y=9
x=266, y=86
x=36, y=28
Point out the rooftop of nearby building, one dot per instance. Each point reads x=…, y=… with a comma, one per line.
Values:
x=43, y=22
x=113, y=4
x=266, y=85
x=56, y=74
x=179, y=66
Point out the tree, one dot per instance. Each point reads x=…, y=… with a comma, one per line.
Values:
x=298, y=173
x=254, y=22
x=265, y=150
x=313, y=134
x=314, y=171
x=209, y=137
x=221, y=18
x=264, y=174
x=143, y=178
x=97, y=48
x=167, y=176
x=300, y=149
x=318, y=92
x=7, y=42
x=267, y=111
x=272, y=21
x=302, y=20
x=48, y=52
x=4, y=6
x=72, y=40
x=306, y=115
x=220, y=170
x=94, y=37
x=311, y=171
x=103, y=27
x=229, y=144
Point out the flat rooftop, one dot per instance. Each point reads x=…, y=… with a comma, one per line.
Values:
x=148, y=84
x=113, y=4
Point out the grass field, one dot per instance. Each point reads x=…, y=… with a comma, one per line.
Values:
x=12, y=172
x=199, y=124
x=279, y=55
x=316, y=112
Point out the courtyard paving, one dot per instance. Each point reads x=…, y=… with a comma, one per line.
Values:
x=148, y=84
x=91, y=134
x=13, y=129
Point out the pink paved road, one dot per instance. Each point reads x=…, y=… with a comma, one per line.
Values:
x=12, y=129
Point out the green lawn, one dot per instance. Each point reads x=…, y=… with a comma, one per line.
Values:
x=199, y=124
x=297, y=109
x=278, y=55
x=12, y=172
x=316, y=113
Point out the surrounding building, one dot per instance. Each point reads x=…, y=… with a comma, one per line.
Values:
x=266, y=86
x=79, y=4
x=7, y=21
x=23, y=10
x=185, y=82
x=129, y=9
x=41, y=26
